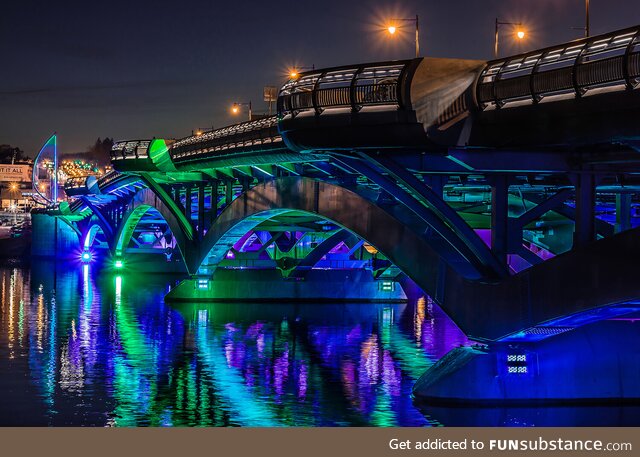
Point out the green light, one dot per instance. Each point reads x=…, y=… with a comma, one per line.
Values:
x=118, y=264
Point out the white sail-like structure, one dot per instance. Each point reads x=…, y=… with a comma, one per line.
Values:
x=45, y=173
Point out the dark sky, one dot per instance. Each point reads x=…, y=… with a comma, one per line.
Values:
x=142, y=68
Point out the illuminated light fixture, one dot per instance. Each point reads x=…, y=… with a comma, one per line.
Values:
x=517, y=364
x=394, y=27
x=118, y=264
x=294, y=72
x=519, y=34
x=86, y=257
x=203, y=284
x=236, y=108
x=387, y=286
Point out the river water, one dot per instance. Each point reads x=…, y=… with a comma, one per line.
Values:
x=80, y=346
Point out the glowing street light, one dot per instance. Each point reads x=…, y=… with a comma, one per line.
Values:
x=393, y=28
x=294, y=72
x=235, y=108
x=519, y=34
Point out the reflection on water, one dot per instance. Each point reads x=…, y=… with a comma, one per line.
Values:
x=81, y=347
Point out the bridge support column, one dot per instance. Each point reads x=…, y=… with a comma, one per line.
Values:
x=187, y=202
x=585, y=228
x=200, y=211
x=228, y=197
x=623, y=212
x=213, y=205
x=500, y=217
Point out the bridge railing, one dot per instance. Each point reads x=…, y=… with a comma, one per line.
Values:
x=133, y=149
x=108, y=178
x=246, y=134
x=353, y=87
x=606, y=60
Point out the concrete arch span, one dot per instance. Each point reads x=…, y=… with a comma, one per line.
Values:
x=556, y=288
x=144, y=201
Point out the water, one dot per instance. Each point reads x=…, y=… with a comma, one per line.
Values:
x=84, y=347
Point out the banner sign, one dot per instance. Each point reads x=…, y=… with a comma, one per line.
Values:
x=15, y=173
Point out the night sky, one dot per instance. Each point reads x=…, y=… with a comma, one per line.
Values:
x=141, y=68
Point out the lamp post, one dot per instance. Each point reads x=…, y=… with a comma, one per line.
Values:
x=235, y=108
x=519, y=34
x=392, y=29
x=586, y=19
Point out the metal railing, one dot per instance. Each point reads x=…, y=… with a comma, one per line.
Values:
x=351, y=87
x=132, y=149
x=75, y=182
x=246, y=134
x=606, y=60
x=108, y=178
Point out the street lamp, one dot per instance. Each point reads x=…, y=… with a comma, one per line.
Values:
x=235, y=108
x=393, y=28
x=294, y=72
x=520, y=34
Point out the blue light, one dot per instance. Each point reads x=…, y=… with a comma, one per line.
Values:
x=86, y=257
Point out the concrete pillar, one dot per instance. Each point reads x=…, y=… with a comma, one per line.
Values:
x=213, y=207
x=53, y=238
x=500, y=217
x=585, y=226
x=187, y=202
x=228, y=198
x=200, y=210
x=623, y=212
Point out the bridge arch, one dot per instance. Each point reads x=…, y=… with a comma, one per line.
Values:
x=89, y=236
x=483, y=310
x=143, y=202
x=402, y=243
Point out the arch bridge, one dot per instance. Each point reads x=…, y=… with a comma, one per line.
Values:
x=505, y=188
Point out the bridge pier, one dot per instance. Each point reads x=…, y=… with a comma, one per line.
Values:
x=47, y=228
x=585, y=365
